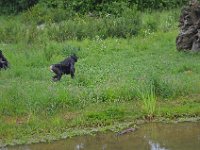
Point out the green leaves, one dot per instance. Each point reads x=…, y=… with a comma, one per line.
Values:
x=98, y=7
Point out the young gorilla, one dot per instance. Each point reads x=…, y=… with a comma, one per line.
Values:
x=3, y=61
x=64, y=67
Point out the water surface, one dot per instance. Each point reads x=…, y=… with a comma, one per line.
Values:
x=152, y=136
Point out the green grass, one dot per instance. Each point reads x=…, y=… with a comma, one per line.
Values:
x=148, y=97
x=17, y=29
x=112, y=75
x=109, y=74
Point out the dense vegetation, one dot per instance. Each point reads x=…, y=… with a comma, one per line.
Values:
x=128, y=66
x=82, y=7
x=76, y=19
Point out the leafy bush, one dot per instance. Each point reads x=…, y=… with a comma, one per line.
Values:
x=15, y=6
x=156, y=4
x=11, y=32
x=130, y=23
x=126, y=26
x=98, y=7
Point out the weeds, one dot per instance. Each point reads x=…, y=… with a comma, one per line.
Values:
x=129, y=24
x=148, y=97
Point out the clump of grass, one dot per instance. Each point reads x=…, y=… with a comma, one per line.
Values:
x=148, y=97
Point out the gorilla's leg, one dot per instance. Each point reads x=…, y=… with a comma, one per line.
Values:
x=72, y=71
x=57, y=71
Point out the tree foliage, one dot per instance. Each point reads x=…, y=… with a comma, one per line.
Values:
x=85, y=6
x=15, y=6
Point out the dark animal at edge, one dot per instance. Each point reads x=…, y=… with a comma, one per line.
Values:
x=3, y=61
x=66, y=66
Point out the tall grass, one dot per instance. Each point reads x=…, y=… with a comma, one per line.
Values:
x=148, y=96
x=130, y=24
x=107, y=71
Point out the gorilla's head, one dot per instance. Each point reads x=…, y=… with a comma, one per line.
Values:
x=74, y=57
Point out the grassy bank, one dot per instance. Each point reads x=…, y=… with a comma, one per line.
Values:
x=117, y=80
x=111, y=75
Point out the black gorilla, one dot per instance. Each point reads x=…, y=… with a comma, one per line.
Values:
x=3, y=61
x=64, y=67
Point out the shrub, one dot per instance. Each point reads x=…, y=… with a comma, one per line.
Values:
x=98, y=7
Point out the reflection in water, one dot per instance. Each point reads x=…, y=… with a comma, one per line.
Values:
x=79, y=146
x=153, y=136
x=155, y=146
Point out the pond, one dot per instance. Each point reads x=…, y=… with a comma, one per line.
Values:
x=151, y=136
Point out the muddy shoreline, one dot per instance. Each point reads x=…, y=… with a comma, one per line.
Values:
x=92, y=131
